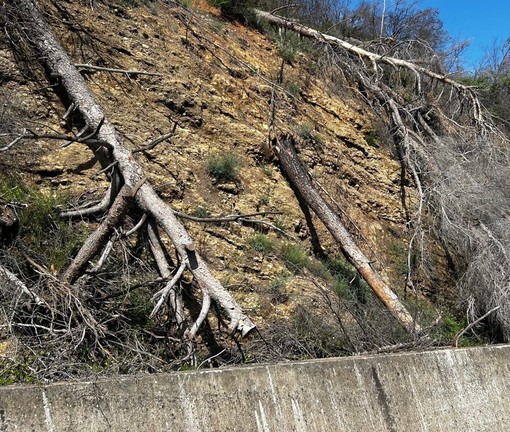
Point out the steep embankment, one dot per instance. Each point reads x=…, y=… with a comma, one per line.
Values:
x=216, y=81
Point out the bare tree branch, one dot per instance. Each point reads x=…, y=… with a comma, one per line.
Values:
x=114, y=70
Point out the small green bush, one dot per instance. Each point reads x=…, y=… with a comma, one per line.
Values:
x=15, y=373
x=449, y=327
x=292, y=88
x=295, y=257
x=308, y=133
x=398, y=253
x=261, y=243
x=237, y=9
x=373, y=139
x=201, y=212
x=42, y=230
x=318, y=268
x=349, y=285
x=289, y=44
x=276, y=290
x=224, y=167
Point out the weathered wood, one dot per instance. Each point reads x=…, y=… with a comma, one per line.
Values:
x=375, y=58
x=59, y=65
x=301, y=181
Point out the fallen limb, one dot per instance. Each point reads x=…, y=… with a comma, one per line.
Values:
x=115, y=70
x=377, y=58
x=9, y=279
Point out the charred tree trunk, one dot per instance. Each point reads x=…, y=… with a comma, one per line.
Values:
x=107, y=145
x=300, y=180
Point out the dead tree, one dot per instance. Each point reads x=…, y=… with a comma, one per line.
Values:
x=300, y=180
x=452, y=159
x=129, y=184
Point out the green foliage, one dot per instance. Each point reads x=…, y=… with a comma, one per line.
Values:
x=348, y=284
x=219, y=3
x=268, y=171
x=185, y=3
x=315, y=336
x=289, y=45
x=276, y=290
x=261, y=243
x=138, y=306
x=294, y=256
x=201, y=212
x=308, y=133
x=42, y=231
x=15, y=373
x=292, y=88
x=398, y=254
x=216, y=25
x=224, y=167
x=372, y=138
x=236, y=9
x=318, y=268
x=264, y=199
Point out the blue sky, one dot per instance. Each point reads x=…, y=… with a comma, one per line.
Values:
x=482, y=22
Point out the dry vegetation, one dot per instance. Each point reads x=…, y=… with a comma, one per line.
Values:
x=407, y=158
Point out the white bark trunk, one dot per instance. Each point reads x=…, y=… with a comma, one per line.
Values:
x=58, y=64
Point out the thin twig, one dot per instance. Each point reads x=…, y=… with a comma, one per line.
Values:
x=115, y=70
x=470, y=326
x=156, y=141
x=229, y=218
x=163, y=294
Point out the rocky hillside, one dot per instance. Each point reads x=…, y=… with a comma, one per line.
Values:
x=215, y=80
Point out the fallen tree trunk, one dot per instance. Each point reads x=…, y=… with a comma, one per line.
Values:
x=299, y=177
x=109, y=149
x=377, y=58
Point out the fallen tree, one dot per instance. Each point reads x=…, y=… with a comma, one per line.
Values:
x=456, y=155
x=300, y=180
x=129, y=186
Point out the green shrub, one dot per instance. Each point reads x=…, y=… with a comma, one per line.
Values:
x=42, y=230
x=308, y=133
x=276, y=290
x=201, y=212
x=186, y=3
x=237, y=9
x=289, y=44
x=15, y=373
x=349, y=285
x=398, y=254
x=449, y=327
x=318, y=268
x=265, y=199
x=224, y=167
x=292, y=88
x=295, y=257
x=261, y=243
x=373, y=139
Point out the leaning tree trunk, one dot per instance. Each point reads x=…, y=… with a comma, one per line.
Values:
x=376, y=59
x=59, y=66
x=299, y=177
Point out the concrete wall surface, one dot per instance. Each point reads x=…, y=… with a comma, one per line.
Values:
x=446, y=390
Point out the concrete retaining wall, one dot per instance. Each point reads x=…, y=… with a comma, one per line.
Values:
x=449, y=390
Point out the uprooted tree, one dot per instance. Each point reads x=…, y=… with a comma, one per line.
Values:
x=129, y=187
